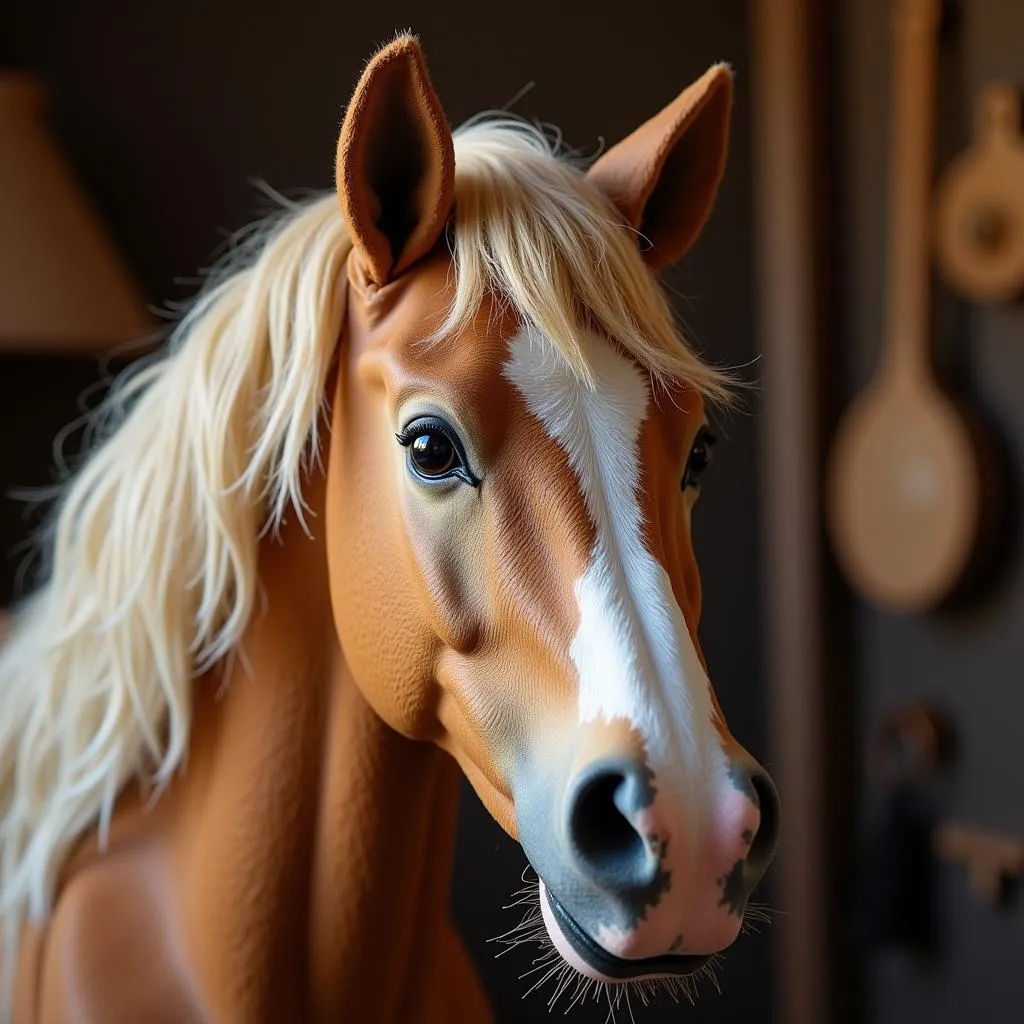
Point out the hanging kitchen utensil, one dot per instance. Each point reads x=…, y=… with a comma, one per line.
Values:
x=979, y=237
x=991, y=858
x=904, y=484
x=893, y=895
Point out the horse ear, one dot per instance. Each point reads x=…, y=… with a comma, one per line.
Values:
x=664, y=177
x=396, y=162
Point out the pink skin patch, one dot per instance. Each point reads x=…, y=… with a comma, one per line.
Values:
x=565, y=949
x=701, y=903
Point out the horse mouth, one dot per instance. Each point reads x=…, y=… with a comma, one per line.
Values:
x=596, y=961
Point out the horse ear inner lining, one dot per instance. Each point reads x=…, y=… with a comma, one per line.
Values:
x=396, y=162
x=664, y=177
x=398, y=168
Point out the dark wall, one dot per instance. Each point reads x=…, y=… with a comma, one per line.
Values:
x=964, y=660
x=168, y=110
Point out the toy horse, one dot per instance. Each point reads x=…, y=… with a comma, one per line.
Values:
x=232, y=718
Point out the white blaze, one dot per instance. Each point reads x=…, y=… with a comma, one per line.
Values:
x=632, y=649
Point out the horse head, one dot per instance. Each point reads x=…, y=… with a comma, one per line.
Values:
x=517, y=446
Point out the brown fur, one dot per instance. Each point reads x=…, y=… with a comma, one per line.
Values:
x=298, y=869
x=246, y=894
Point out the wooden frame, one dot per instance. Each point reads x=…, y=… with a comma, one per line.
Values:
x=790, y=93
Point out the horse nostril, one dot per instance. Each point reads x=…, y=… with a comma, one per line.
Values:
x=601, y=833
x=762, y=848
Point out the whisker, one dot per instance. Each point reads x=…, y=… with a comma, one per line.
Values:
x=763, y=913
x=708, y=971
x=576, y=989
x=583, y=986
x=629, y=1005
x=565, y=979
x=558, y=965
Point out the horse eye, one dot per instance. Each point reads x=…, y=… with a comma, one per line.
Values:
x=701, y=456
x=435, y=452
x=432, y=454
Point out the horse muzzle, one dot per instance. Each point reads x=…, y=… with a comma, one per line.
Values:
x=634, y=882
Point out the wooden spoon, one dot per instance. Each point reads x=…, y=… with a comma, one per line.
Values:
x=979, y=234
x=904, y=485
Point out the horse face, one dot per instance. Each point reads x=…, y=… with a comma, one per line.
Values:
x=513, y=579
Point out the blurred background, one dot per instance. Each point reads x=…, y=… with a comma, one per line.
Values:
x=890, y=709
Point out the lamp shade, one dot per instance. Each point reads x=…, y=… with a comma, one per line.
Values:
x=62, y=286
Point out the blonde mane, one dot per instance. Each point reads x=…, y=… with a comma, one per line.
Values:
x=153, y=555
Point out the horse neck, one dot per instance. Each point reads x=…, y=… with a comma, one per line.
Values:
x=329, y=837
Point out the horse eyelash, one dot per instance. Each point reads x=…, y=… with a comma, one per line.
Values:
x=409, y=434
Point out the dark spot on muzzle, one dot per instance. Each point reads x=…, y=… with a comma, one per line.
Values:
x=735, y=889
x=756, y=784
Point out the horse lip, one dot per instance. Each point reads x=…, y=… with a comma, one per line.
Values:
x=614, y=967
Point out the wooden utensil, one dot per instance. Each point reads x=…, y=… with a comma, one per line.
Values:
x=904, y=483
x=979, y=236
x=990, y=857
